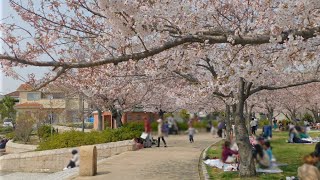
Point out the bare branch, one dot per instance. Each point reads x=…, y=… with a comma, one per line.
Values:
x=59, y=73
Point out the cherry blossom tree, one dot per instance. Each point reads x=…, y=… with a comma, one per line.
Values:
x=232, y=49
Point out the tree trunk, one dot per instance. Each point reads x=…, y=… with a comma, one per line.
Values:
x=315, y=115
x=247, y=167
x=234, y=111
x=117, y=115
x=118, y=119
x=228, y=123
x=270, y=115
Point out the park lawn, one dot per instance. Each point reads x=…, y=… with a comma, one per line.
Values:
x=284, y=152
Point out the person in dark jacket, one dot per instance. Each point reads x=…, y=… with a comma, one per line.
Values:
x=3, y=143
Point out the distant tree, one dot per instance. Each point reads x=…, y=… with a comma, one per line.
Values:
x=184, y=115
x=7, y=107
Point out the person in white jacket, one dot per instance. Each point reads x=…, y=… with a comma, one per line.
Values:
x=74, y=162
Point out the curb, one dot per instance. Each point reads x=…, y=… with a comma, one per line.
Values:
x=203, y=173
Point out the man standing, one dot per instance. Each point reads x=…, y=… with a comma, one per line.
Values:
x=253, y=124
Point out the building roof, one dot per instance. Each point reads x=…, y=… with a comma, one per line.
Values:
x=32, y=105
x=25, y=87
x=13, y=94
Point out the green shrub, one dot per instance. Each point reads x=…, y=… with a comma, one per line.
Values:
x=10, y=135
x=307, y=117
x=5, y=130
x=78, y=138
x=154, y=126
x=263, y=122
x=182, y=126
x=215, y=123
x=201, y=124
x=44, y=132
x=139, y=126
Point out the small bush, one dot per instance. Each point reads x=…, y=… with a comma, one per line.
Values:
x=5, y=130
x=263, y=122
x=10, y=135
x=139, y=126
x=24, y=127
x=307, y=117
x=44, y=132
x=215, y=123
x=201, y=124
x=154, y=126
x=182, y=126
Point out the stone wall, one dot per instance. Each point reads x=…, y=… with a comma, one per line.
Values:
x=55, y=160
x=12, y=147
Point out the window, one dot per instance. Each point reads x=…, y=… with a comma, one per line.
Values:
x=33, y=96
x=58, y=95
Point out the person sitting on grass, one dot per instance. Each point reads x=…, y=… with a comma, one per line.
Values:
x=261, y=157
x=228, y=155
x=294, y=137
x=267, y=147
x=303, y=133
x=317, y=154
x=308, y=171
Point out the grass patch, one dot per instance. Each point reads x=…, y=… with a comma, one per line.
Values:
x=284, y=152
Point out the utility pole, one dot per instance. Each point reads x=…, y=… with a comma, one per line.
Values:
x=51, y=113
x=82, y=111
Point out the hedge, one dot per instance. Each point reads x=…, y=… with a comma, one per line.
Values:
x=77, y=138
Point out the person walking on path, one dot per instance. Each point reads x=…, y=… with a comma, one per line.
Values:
x=160, y=134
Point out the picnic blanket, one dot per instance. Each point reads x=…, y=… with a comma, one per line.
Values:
x=233, y=167
x=272, y=169
x=219, y=164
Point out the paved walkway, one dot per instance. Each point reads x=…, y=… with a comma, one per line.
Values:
x=178, y=161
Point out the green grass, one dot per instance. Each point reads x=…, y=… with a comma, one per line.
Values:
x=284, y=152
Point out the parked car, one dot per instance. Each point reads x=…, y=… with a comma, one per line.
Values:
x=7, y=123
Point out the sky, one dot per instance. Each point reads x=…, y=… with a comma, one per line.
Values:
x=8, y=84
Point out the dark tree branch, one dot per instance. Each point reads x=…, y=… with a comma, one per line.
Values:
x=270, y=88
x=244, y=40
x=188, y=77
x=59, y=73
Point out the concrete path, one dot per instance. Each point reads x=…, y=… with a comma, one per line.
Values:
x=66, y=128
x=178, y=161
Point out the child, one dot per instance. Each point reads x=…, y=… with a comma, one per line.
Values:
x=74, y=161
x=191, y=132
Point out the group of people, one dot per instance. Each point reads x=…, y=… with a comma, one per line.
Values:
x=262, y=153
x=311, y=165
